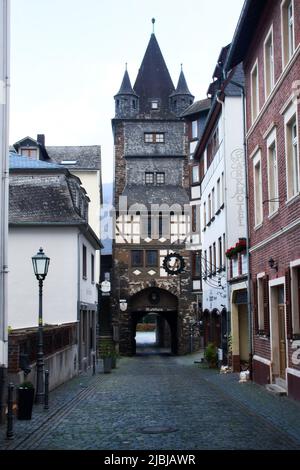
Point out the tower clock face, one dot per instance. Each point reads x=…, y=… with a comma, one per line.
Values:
x=174, y=263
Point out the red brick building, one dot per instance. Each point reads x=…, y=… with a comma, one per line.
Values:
x=267, y=41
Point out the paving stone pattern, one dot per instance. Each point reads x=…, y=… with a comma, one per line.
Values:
x=202, y=408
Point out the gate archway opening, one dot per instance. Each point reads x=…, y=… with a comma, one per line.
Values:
x=160, y=306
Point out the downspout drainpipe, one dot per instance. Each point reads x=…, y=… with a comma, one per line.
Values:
x=4, y=192
x=249, y=309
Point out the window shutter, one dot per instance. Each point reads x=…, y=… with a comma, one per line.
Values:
x=266, y=306
x=255, y=307
x=288, y=304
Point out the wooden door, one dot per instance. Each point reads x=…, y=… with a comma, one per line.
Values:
x=282, y=340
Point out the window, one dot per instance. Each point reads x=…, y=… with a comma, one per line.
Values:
x=272, y=175
x=29, y=152
x=194, y=218
x=210, y=260
x=209, y=207
x=154, y=104
x=93, y=269
x=218, y=193
x=194, y=129
x=287, y=21
x=204, y=214
x=149, y=178
x=214, y=260
x=292, y=157
x=254, y=92
x=151, y=258
x=213, y=202
x=222, y=189
x=154, y=137
x=195, y=174
x=134, y=104
x=294, y=293
x=193, y=146
x=258, y=212
x=220, y=253
x=205, y=263
x=84, y=266
x=260, y=302
x=224, y=248
x=196, y=264
x=136, y=258
x=160, y=178
x=269, y=64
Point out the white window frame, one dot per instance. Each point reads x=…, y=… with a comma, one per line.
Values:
x=272, y=143
x=269, y=68
x=287, y=48
x=295, y=265
x=256, y=160
x=260, y=301
x=218, y=193
x=255, y=66
x=194, y=129
x=213, y=208
x=289, y=115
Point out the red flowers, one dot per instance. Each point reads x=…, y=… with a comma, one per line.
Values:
x=239, y=247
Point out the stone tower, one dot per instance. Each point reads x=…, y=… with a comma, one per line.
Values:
x=151, y=178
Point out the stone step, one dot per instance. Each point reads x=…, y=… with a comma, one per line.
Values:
x=276, y=389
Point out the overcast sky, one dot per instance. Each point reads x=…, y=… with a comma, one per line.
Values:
x=68, y=59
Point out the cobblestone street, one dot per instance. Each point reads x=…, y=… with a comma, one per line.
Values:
x=160, y=402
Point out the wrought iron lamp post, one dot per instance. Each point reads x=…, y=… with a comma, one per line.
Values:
x=40, y=264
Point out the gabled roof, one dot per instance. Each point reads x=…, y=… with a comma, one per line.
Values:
x=153, y=80
x=246, y=27
x=87, y=157
x=126, y=88
x=197, y=107
x=17, y=161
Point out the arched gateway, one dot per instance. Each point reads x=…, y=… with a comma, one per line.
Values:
x=162, y=303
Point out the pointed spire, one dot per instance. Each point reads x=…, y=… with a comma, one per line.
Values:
x=182, y=88
x=153, y=80
x=153, y=23
x=126, y=88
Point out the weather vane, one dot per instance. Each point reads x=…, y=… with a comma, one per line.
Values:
x=153, y=22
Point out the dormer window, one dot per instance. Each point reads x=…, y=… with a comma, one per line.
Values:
x=29, y=152
x=154, y=104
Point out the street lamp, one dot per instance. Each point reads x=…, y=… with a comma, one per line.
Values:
x=40, y=264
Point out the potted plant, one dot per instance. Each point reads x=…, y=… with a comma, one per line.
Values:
x=210, y=355
x=106, y=353
x=25, y=400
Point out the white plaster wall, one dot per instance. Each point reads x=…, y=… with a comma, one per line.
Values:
x=60, y=286
x=214, y=297
x=91, y=182
x=88, y=290
x=235, y=170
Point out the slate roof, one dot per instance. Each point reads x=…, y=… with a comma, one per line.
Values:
x=182, y=88
x=20, y=162
x=126, y=88
x=154, y=81
x=148, y=195
x=239, y=77
x=41, y=200
x=197, y=107
x=87, y=157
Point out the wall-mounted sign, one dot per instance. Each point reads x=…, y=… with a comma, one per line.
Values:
x=123, y=305
x=105, y=287
x=174, y=263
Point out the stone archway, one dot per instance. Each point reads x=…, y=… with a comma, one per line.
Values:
x=155, y=300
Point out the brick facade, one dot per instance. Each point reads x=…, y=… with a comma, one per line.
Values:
x=278, y=236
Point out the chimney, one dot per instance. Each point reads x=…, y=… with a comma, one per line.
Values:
x=41, y=139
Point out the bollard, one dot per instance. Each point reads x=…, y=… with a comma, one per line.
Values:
x=46, y=400
x=94, y=364
x=10, y=415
